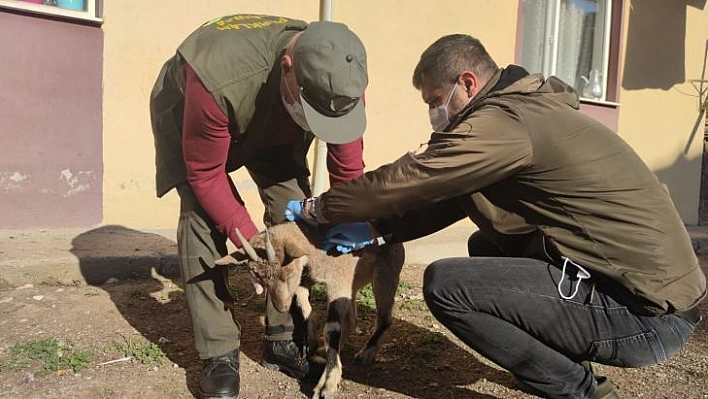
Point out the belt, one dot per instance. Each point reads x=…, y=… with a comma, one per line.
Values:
x=692, y=315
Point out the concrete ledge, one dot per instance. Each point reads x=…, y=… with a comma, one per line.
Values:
x=699, y=238
x=79, y=256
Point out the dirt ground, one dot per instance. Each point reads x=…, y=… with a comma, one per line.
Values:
x=420, y=359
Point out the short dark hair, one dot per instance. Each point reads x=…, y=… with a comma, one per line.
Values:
x=448, y=56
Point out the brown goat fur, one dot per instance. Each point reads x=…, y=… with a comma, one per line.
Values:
x=298, y=261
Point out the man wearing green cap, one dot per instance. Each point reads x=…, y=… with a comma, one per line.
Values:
x=250, y=91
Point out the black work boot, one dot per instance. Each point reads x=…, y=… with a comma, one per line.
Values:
x=220, y=378
x=285, y=356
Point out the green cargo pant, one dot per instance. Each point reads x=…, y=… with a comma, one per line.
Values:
x=281, y=174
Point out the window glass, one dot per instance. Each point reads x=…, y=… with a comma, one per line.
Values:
x=76, y=5
x=569, y=39
x=77, y=9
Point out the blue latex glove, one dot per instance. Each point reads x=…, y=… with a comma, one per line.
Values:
x=294, y=211
x=348, y=237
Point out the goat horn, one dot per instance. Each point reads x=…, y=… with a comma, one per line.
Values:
x=270, y=251
x=247, y=247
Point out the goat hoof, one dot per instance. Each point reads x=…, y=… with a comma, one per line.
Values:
x=365, y=356
x=323, y=395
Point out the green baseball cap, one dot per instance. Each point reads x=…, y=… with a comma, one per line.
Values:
x=330, y=68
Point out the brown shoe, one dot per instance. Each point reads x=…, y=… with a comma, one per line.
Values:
x=606, y=389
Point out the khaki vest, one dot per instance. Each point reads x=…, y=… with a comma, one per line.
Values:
x=236, y=58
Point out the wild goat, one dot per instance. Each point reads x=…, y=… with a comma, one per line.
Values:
x=294, y=261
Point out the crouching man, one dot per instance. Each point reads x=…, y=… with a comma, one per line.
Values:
x=580, y=254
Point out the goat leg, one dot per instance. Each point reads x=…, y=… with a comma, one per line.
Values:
x=386, y=275
x=336, y=316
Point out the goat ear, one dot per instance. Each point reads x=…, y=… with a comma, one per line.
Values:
x=293, y=270
x=283, y=289
x=293, y=250
x=235, y=258
x=291, y=273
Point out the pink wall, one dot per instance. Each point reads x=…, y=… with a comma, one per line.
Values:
x=609, y=115
x=51, y=163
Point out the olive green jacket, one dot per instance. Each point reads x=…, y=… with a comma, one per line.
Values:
x=522, y=158
x=236, y=58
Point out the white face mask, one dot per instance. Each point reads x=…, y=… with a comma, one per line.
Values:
x=295, y=109
x=439, y=118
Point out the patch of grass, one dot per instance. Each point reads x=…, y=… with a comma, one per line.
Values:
x=146, y=353
x=430, y=344
x=318, y=293
x=15, y=363
x=433, y=338
x=365, y=299
x=414, y=305
x=51, y=354
x=137, y=294
x=403, y=287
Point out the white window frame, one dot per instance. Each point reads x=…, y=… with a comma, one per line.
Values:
x=550, y=46
x=90, y=15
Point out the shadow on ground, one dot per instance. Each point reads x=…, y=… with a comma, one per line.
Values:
x=124, y=263
x=414, y=361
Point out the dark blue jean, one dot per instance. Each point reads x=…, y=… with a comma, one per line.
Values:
x=510, y=311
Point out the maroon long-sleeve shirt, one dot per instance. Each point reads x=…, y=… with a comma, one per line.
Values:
x=205, y=145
